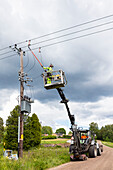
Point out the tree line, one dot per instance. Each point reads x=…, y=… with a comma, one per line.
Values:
x=105, y=133
x=33, y=131
x=1, y=129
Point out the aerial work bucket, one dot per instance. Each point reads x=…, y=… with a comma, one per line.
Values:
x=54, y=79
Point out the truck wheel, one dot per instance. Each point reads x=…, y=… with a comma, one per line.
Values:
x=101, y=148
x=93, y=151
x=99, y=151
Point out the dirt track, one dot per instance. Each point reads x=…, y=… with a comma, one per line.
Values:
x=103, y=162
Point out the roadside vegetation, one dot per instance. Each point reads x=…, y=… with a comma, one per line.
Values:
x=38, y=158
x=104, y=134
x=54, y=141
x=1, y=149
x=110, y=144
x=42, y=148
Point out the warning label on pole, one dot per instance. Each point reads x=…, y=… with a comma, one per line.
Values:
x=21, y=136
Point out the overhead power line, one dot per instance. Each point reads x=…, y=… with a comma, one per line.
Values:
x=27, y=62
x=32, y=65
x=78, y=25
x=61, y=30
x=8, y=57
x=7, y=52
x=75, y=32
x=85, y=35
x=59, y=42
x=96, y=26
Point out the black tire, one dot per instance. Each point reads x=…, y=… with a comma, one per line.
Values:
x=101, y=148
x=93, y=151
x=71, y=148
x=71, y=159
x=99, y=151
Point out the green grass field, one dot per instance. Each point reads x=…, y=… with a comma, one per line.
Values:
x=40, y=158
x=110, y=144
x=1, y=150
x=54, y=141
x=37, y=158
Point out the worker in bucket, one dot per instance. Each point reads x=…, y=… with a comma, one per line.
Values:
x=49, y=73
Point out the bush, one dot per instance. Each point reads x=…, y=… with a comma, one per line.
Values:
x=67, y=136
x=48, y=137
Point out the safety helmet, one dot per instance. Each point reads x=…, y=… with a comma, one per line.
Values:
x=51, y=65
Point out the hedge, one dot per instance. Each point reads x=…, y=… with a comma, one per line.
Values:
x=48, y=137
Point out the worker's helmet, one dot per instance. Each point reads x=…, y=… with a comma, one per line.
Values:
x=51, y=65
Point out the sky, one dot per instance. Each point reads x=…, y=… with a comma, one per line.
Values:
x=87, y=61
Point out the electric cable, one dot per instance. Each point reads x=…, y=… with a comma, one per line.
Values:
x=4, y=48
x=33, y=92
x=96, y=26
x=61, y=30
x=30, y=91
x=27, y=61
x=58, y=42
x=32, y=65
x=26, y=91
x=85, y=35
x=7, y=52
x=35, y=71
x=41, y=58
x=65, y=29
x=34, y=78
x=34, y=55
x=8, y=56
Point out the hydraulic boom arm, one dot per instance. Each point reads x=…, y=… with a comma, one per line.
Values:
x=72, y=120
x=65, y=101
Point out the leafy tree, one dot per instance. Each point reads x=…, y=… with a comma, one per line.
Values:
x=93, y=127
x=11, y=138
x=70, y=133
x=107, y=133
x=47, y=130
x=32, y=132
x=61, y=130
x=1, y=129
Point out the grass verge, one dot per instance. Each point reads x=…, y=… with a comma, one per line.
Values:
x=37, y=159
x=110, y=144
x=54, y=141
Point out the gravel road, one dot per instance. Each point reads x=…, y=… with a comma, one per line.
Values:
x=103, y=162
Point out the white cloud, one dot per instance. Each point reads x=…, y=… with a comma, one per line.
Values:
x=100, y=112
x=50, y=114
x=55, y=115
x=8, y=102
x=88, y=60
x=85, y=113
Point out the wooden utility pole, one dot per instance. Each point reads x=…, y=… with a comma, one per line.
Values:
x=21, y=97
x=25, y=102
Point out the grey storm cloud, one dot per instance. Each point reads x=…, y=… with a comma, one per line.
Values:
x=84, y=76
x=87, y=62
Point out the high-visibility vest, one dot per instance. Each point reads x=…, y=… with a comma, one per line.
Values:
x=83, y=137
x=49, y=69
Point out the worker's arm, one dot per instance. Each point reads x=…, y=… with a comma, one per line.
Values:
x=45, y=68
